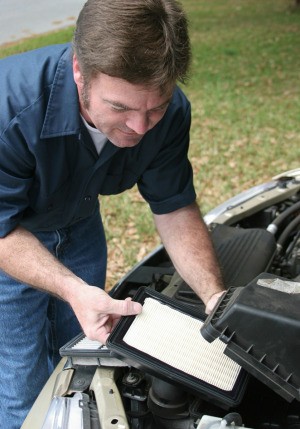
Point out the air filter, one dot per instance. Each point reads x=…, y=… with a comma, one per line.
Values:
x=81, y=346
x=165, y=340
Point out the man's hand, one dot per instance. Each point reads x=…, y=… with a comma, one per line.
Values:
x=98, y=313
x=212, y=302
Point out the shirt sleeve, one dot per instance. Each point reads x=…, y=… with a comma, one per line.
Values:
x=167, y=183
x=15, y=182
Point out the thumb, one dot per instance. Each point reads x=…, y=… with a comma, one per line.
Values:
x=125, y=307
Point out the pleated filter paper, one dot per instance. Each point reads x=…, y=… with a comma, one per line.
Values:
x=174, y=338
x=87, y=344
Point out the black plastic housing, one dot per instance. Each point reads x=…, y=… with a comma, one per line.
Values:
x=261, y=327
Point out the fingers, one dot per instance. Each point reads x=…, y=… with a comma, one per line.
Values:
x=98, y=313
x=119, y=307
x=106, y=323
x=127, y=307
x=213, y=301
x=105, y=304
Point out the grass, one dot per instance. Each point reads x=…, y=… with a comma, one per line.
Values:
x=245, y=94
x=244, y=89
x=60, y=36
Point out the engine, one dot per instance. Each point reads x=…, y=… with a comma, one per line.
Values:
x=257, y=232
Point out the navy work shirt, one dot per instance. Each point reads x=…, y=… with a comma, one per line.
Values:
x=50, y=172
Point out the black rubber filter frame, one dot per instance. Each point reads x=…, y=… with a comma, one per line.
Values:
x=261, y=327
x=151, y=365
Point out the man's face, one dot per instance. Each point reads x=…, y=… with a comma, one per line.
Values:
x=124, y=112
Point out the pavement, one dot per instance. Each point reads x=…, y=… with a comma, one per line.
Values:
x=20, y=19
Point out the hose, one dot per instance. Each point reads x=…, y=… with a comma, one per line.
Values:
x=288, y=230
x=231, y=418
x=274, y=226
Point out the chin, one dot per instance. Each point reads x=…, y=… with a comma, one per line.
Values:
x=123, y=143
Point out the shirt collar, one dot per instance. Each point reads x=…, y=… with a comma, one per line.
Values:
x=62, y=113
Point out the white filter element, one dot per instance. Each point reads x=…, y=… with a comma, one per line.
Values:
x=174, y=338
x=86, y=344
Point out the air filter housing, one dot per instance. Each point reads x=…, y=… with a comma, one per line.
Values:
x=260, y=325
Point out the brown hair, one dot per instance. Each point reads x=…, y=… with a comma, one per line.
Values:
x=141, y=41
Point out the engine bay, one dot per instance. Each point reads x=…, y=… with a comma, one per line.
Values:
x=260, y=233
x=268, y=240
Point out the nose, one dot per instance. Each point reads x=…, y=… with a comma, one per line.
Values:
x=138, y=122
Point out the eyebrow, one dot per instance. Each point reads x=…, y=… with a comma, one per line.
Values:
x=125, y=107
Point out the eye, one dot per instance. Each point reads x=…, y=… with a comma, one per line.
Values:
x=161, y=108
x=117, y=108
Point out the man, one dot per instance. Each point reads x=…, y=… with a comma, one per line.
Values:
x=74, y=126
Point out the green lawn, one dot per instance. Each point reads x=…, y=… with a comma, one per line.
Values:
x=244, y=89
x=245, y=93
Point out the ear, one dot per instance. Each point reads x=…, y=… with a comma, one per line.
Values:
x=77, y=73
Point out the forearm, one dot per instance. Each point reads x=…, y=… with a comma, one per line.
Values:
x=186, y=239
x=24, y=257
